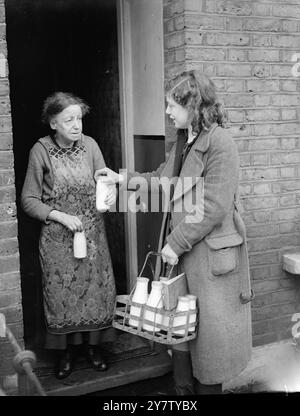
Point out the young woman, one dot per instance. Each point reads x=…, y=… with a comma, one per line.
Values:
x=206, y=239
x=59, y=190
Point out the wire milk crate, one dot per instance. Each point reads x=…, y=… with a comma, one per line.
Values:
x=168, y=326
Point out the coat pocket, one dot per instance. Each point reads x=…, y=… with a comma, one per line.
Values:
x=223, y=253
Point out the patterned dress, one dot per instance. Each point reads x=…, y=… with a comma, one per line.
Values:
x=79, y=294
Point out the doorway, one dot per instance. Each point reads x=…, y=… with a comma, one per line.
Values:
x=65, y=45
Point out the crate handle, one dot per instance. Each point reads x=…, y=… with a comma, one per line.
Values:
x=154, y=253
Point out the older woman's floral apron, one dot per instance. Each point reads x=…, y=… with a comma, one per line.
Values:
x=78, y=294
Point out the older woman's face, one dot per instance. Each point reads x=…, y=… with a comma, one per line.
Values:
x=68, y=123
x=178, y=114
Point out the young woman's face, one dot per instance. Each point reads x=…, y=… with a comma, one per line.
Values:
x=178, y=114
x=68, y=123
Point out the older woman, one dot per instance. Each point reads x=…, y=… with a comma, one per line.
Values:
x=206, y=236
x=59, y=191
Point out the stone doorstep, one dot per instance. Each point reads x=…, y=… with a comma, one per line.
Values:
x=273, y=367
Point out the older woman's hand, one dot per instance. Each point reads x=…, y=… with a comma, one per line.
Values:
x=72, y=222
x=169, y=255
x=108, y=176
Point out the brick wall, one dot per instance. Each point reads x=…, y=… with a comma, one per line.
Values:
x=246, y=48
x=10, y=291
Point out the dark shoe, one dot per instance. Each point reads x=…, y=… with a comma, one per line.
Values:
x=182, y=373
x=95, y=359
x=207, y=388
x=64, y=365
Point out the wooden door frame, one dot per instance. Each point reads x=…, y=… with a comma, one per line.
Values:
x=127, y=137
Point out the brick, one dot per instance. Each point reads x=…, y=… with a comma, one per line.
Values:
x=202, y=54
x=5, y=124
x=4, y=86
x=259, y=273
x=286, y=56
x=9, y=298
x=288, y=172
x=289, y=114
x=262, y=216
x=7, y=194
x=209, y=6
x=220, y=84
x=263, y=25
x=262, y=188
x=287, y=228
x=285, y=158
x=233, y=70
x=235, y=85
x=262, y=230
x=262, y=129
x=234, y=23
x=288, y=200
x=235, y=116
x=193, y=5
x=195, y=21
x=290, y=186
x=262, y=115
x=260, y=202
x=237, y=100
x=237, y=8
x=7, y=211
x=240, y=131
x=174, y=40
x=179, y=23
x=260, y=159
x=264, y=144
x=283, y=241
x=263, y=258
x=285, y=214
x=172, y=8
x=284, y=100
x=227, y=39
x=285, y=128
x=262, y=100
x=9, y=247
x=237, y=55
x=244, y=160
x=258, y=174
x=8, y=229
x=7, y=177
x=262, y=55
x=12, y=313
x=268, y=312
x=289, y=26
x=286, y=11
x=285, y=41
x=10, y=281
x=6, y=141
x=258, y=244
x=261, y=9
x=261, y=40
x=245, y=189
x=282, y=70
x=262, y=86
x=261, y=71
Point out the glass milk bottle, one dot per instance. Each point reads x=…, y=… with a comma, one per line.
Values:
x=140, y=296
x=166, y=319
x=182, y=306
x=192, y=306
x=101, y=194
x=155, y=301
x=79, y=245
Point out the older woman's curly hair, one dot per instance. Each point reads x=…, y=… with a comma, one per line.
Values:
x=58, y=101
x=196, y=92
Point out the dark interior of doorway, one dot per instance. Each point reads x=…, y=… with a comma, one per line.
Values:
x=67, y=45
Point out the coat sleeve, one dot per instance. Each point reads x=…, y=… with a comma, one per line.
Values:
x=220, y=181
x=31, y=196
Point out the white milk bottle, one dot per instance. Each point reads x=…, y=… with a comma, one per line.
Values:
x=140, y=296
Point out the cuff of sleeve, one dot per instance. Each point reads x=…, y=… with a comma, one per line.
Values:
x=178, y=243
x=44, y=215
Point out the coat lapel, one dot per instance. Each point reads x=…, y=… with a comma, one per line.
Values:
x=193, y=165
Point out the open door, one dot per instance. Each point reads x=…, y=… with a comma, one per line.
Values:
x=141, y=72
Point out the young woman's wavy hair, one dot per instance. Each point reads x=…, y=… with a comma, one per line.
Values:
x=197, y=93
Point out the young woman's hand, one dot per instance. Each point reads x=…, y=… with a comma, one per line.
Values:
x=72, y=222
x=169, y=255
x=108, y=176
